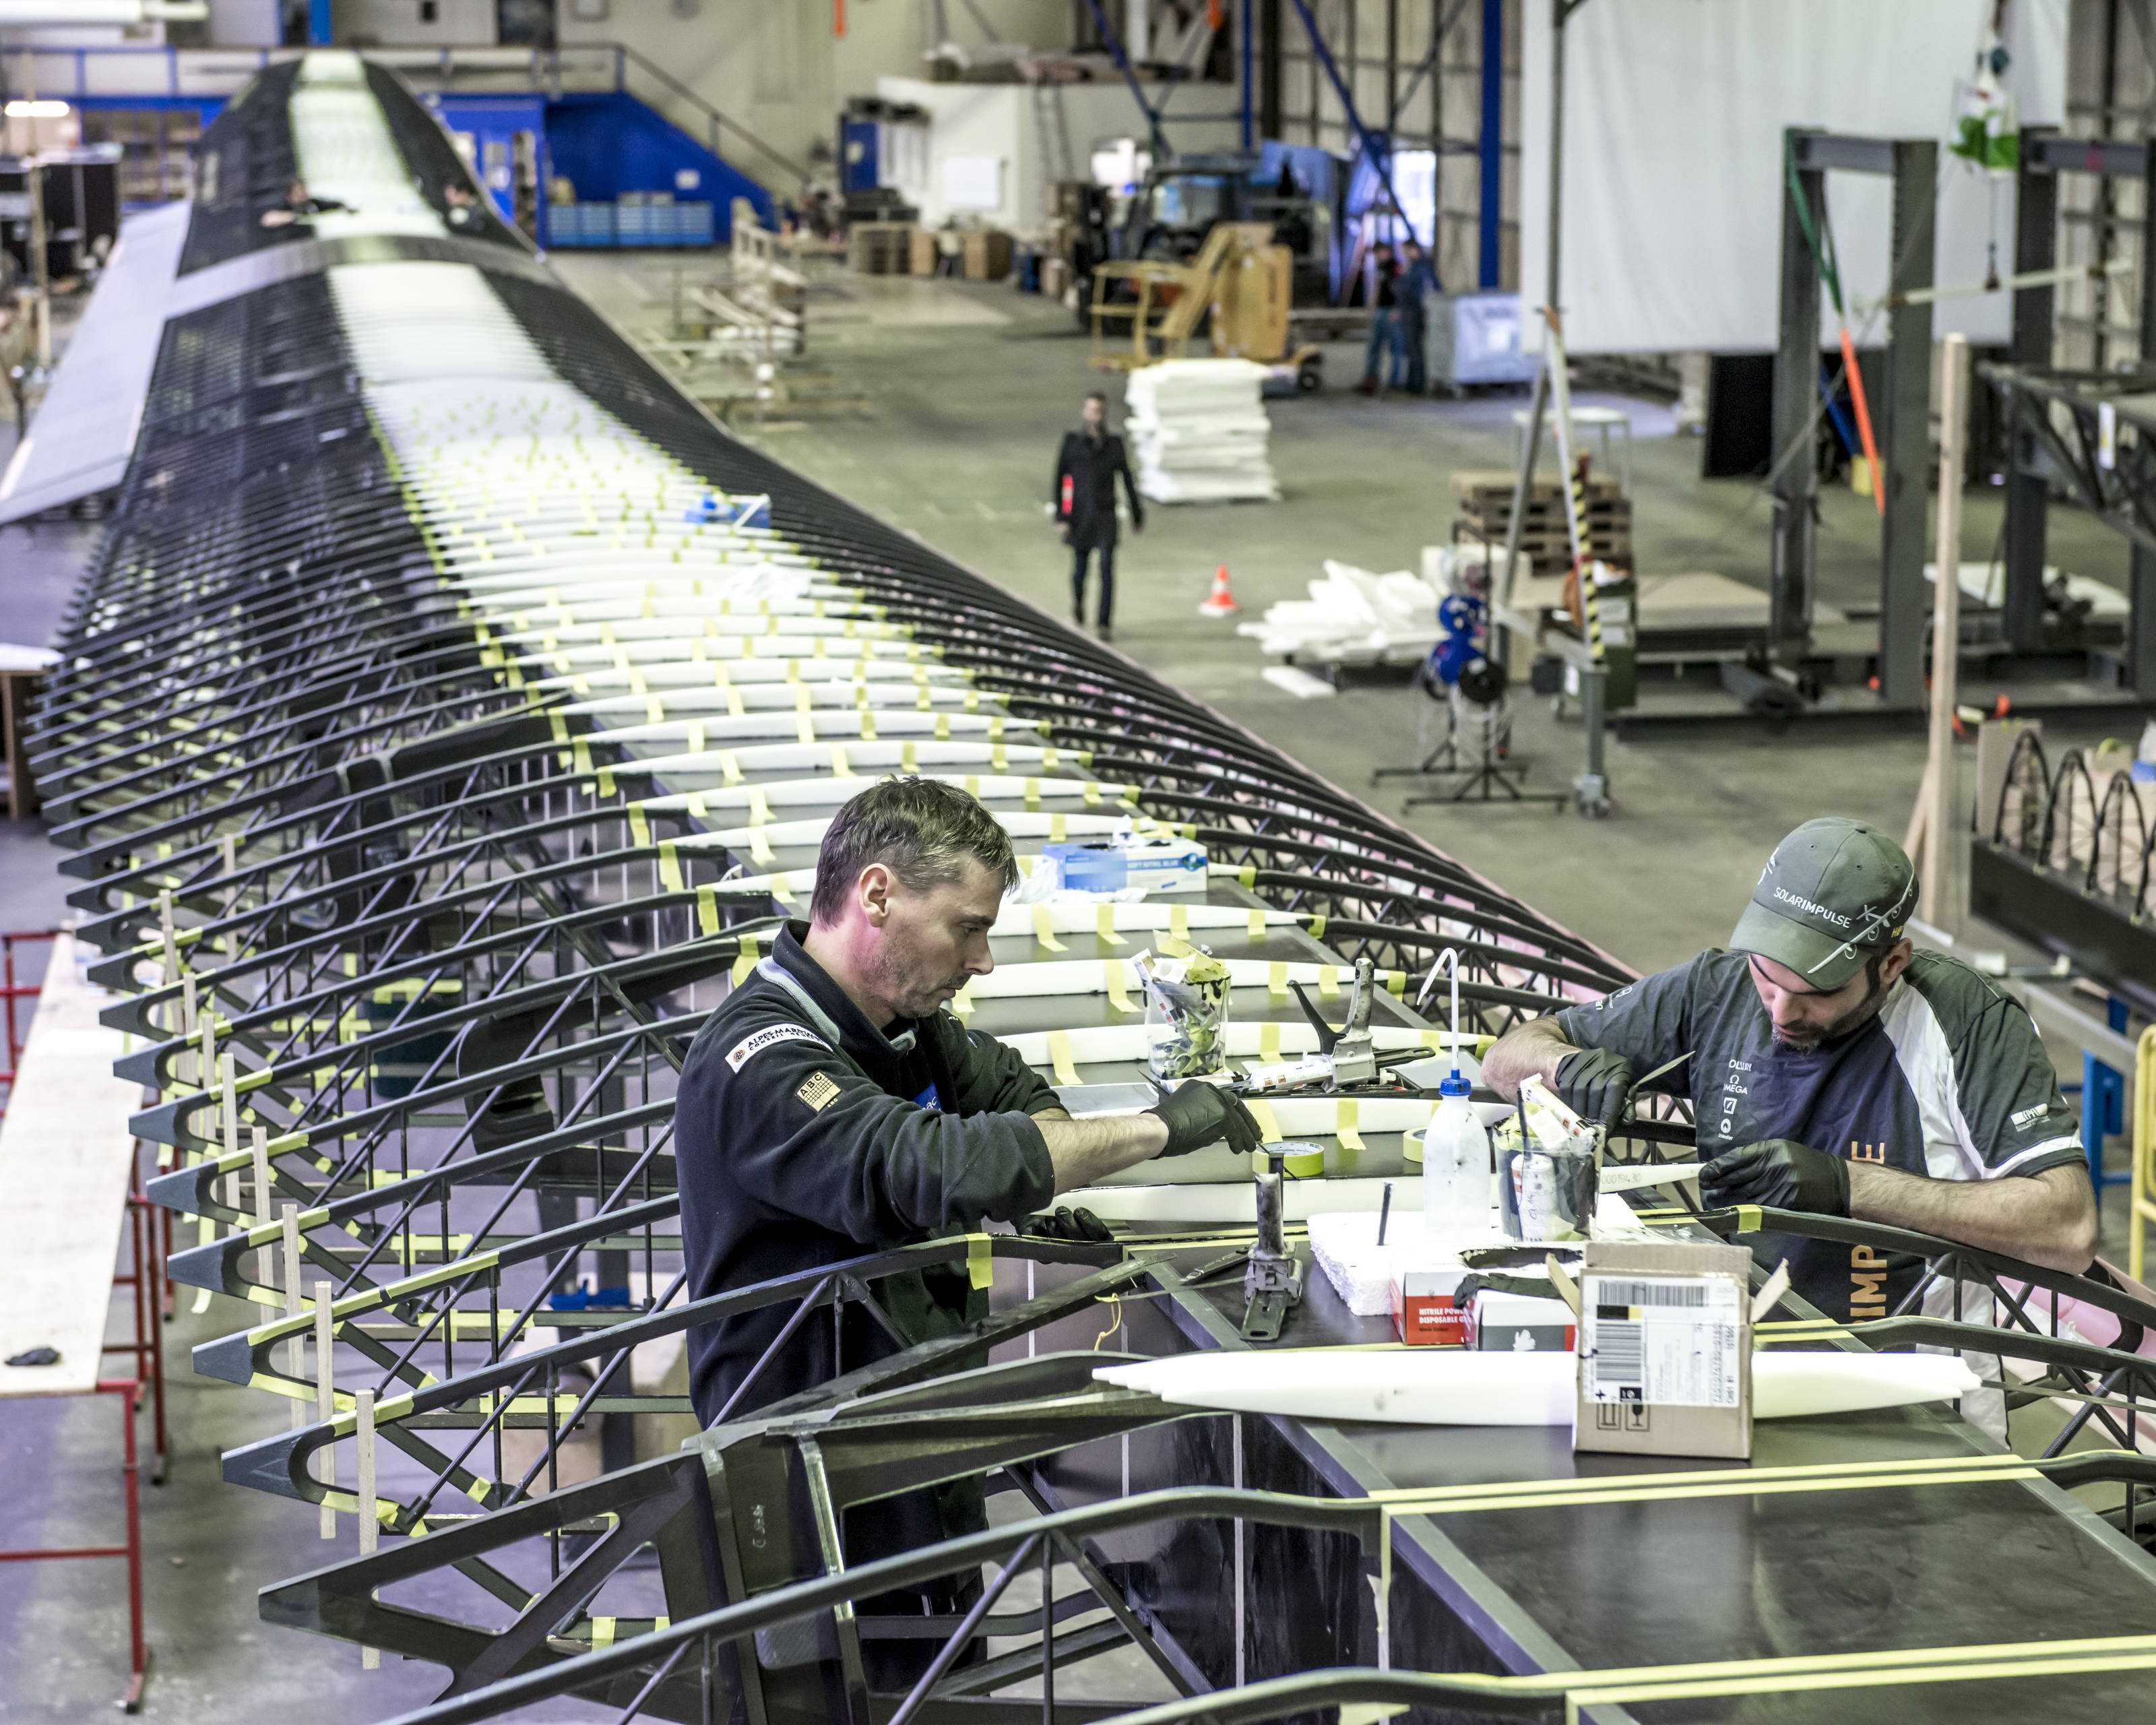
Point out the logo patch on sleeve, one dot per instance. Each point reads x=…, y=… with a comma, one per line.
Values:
x=818, y=1090
x=770, y=1036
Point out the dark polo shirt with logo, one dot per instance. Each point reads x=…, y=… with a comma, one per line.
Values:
x=1949, y=1082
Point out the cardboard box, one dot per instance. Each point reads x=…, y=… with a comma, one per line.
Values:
x=1423, y=1311
x=920, y=256
x=987, y=254
x=1157, y=866
x=1520, y=1323
x=1665, y=1349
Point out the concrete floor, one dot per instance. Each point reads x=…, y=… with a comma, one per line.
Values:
x=956, y=445
x=968, y=389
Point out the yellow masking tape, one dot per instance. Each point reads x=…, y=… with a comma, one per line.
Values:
x=707, y=911
x=1261, y=1111
x=1276, y=979
x=1349, y=1117
x=1328, y=979
x=1111, y=971
x=1256, y=927
x=747, y=962
x=639, y=826
x=1178, y=921
x=1268, y=1040
x=1044, y=933
x=980, y=1267
x=670, y=866
x=1059, y=1057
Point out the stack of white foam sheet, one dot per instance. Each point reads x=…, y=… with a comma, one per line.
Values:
x=1199, y=433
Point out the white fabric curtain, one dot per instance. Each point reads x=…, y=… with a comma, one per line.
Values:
x=1673, y=123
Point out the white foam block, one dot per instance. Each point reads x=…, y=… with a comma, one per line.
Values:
x=1344, y=1243
x=1362, y=1272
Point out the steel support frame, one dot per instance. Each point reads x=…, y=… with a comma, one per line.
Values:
x=1912, y=164
x=1377, y=146
x=1155, y=136
x=2046, y=155
x=1490, y=145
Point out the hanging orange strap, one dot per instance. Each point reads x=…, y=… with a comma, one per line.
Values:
x=1849, y=370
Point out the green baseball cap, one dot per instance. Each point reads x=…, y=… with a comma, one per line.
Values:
x=1834, y=892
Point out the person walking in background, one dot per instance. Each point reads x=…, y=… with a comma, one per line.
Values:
x=1084, y=504
x=1418, y=278
x=1384, y=322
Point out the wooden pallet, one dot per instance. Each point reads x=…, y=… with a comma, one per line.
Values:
x=1484, y=487
x=1553, y=550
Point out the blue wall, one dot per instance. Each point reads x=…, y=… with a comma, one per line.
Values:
x=497, y=119
x=607, y=143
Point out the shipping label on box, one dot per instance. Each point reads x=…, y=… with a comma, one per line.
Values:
x=1664, y=1350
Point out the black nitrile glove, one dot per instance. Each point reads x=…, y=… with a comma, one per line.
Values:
x=1198, y=1114
x=1079, y=1227
x=1780, y=1174
x=1595, y=1084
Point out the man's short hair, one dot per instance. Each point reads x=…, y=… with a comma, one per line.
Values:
x=1098, y=395
x=919, y=828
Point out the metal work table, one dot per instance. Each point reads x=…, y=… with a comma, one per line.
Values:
x=1618, y=1585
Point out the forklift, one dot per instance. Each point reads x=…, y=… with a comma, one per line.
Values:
x=1174, y=211
x=1235, y=290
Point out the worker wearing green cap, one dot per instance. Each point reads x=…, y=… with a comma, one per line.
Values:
x=1833, y=1068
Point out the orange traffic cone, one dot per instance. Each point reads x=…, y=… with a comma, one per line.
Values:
x=1219, y=602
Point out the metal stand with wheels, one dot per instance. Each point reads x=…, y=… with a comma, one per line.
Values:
x=1486, y=775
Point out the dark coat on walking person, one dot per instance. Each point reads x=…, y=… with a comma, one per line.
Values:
x=1085, y=496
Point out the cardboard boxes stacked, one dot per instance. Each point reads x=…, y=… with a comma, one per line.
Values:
x=906, y=248
x=1486, y=509
x=987, y=254
x=879, y=248
x=1198, y=432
